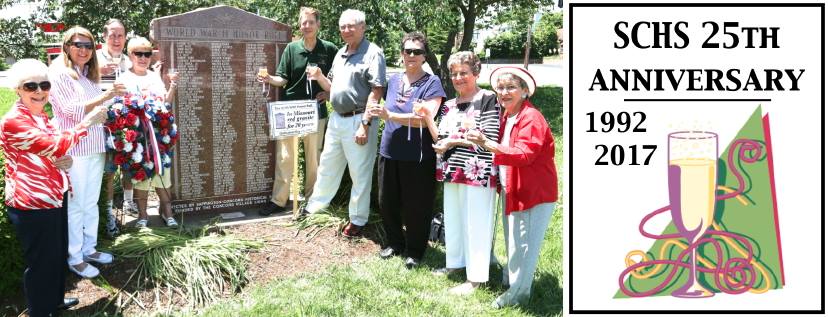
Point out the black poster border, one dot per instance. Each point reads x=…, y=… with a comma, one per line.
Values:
x=571, y=39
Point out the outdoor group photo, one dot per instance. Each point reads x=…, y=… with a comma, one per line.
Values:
x=252, y=158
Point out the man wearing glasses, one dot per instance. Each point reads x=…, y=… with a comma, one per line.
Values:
x=356, y=80
x=291, y=74
x=111, y=60
x=110, y=56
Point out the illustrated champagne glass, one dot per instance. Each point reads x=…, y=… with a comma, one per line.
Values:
x=692, y=187
x=263, y=73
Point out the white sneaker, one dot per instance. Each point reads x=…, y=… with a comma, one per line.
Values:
x=130, y=207
x=100, y=257
x=88, y=272
x=111, y=224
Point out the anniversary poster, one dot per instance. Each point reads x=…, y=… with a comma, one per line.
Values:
x=695, y=155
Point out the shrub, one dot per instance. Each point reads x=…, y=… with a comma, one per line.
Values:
x=11, y=263
x=513, y=45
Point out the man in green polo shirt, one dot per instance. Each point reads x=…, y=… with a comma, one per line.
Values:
x=291, y=75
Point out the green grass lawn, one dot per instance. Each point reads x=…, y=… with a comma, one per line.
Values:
x=7, y=99
x=376, y=287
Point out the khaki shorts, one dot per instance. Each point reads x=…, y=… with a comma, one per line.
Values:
x=157, y=181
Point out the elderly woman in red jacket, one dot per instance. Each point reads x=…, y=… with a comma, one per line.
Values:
x=37, y=184
x=526, y=160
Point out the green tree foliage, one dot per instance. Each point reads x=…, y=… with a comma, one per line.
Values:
x=16, y=38
x=11, y=263
x=546, y=32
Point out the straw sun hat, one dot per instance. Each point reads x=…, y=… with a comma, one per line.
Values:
x=517, y=71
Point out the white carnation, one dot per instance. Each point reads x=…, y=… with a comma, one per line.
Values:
x=127, y=146
x=137, y=157
x=148, y=165
x=110, y=142
x=139, y=148
x=118, y=106
x=166, y=139
x=166, y=159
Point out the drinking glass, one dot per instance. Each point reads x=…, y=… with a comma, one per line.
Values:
x=310, y=69
x=117, y=61
x=692, y=187
x=263, y=73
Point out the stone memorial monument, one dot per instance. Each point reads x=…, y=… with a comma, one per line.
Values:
x=224, y=158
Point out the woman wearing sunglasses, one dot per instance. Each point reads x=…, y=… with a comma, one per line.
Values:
x=36, y=184
x=407, y=160
x=75, y=93
x=139, y=80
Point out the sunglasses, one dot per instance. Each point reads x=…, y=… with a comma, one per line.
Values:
x=415, y=51
x=142, y=54
x=32, y=86
x=86, y=45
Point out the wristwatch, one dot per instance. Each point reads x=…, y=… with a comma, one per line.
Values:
x=366, y=122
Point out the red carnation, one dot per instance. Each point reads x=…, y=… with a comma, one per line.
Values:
x=119, y=159
x=164, y=123
x=140, y=175
x=131, y=135
x=131, y=117
x=120, y=122
x=119, y=145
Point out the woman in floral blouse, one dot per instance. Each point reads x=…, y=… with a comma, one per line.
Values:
x=37, y=186
x=466, y=169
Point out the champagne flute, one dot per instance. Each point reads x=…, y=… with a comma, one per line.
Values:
x=692, y=187
x=263, y=73
x=117, y=62
x=311, y=68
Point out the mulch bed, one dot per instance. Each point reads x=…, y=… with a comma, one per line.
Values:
x=287, y=252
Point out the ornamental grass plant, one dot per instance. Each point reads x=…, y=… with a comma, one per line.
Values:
x=200, y=265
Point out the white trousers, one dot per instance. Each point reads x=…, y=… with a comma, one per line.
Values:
x=524, y=232
x=85, y=175
x=341, y=150
x=469, y=224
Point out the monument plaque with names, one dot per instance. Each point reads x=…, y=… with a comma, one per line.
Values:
x=224, y=159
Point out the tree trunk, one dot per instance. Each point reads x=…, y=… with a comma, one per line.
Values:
x=445, y=77
x=469, y=17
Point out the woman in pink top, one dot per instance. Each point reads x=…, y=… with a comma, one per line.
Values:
x=36, y=184
x=75, y=92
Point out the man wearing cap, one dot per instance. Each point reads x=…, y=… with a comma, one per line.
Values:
x=356, y=80
x=291, y=74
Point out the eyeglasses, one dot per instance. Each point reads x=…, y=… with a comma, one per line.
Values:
x=142, y=54
x=86, y=45
x=507, y=89
x=32, y=86
x=416, y=51
x=343, y=27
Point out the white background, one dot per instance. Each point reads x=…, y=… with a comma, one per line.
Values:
x=610, y=201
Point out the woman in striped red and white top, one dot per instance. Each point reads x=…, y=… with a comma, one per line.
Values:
x=36, y=184
x=75, y=93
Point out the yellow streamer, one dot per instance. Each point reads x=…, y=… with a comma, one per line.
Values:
x=670, y=242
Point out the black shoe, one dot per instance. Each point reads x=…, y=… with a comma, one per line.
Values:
x=303, y=213
x=411, y=263
x=388, y=252
x=68, y=302
x=270, y=209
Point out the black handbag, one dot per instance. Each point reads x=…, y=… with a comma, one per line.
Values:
x=438, y=231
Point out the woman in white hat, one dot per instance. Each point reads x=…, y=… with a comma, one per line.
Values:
x=525, y=156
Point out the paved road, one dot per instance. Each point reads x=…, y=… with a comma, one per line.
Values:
x=545, y=74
